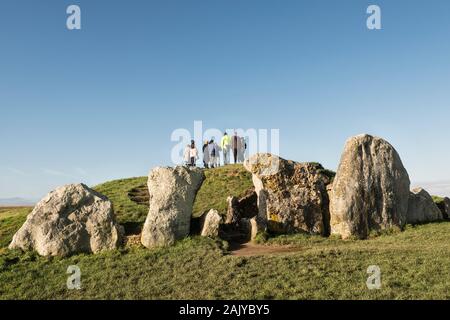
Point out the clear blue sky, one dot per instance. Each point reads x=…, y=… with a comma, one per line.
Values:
x=101, y=103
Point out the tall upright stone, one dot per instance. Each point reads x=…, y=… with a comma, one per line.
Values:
x=370, y=190
x=172, y=194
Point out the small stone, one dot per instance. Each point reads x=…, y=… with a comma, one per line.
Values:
x=211, y=224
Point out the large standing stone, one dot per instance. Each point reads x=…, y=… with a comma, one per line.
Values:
x=446, y=213
x=71, y=219
x=292, y=197
x=444, y=206
x=172, y=194
x=421, y=208
x=370, y=190
x=211, y=224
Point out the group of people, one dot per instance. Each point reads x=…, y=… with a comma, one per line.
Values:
x=234, y=145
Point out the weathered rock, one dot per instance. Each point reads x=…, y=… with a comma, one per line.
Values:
x=211, y=224
x=446, y=213
x=244, y=207
x=132, y=240
x=237, y=227
x=370, y=190
x=232, y=210
x=250, y=227
x=254, y=228
x=71, y=219
x=292, y=197
x=421, y=208
x=172, y=193
x=444, y=206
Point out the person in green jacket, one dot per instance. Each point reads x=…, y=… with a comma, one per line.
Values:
x=225, y=144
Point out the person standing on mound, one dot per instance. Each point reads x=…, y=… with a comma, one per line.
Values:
x=242, y=149
x=193, y=153
x=205, y=151
x=225, y=144
x=235, y=145
x=212, y=153
x=218, y=149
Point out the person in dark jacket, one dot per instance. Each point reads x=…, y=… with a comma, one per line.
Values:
x=205, y=150
x=235, y=145
x=212, y=153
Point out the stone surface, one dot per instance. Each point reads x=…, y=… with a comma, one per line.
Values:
x=444, y=206
x=71, y=219
x=421, y=208
x=172, y=194
x=250, y=227
x=211, y=224
x=244, y=207
x=446, y=213
x=292, y=197
x=370, y=190
x=254, y=225
x=232, y=210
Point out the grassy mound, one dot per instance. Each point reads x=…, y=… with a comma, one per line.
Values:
x=231, y=180
x=129, y=213
x=219, y=184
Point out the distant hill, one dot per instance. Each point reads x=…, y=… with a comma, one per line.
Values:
x=16, y=202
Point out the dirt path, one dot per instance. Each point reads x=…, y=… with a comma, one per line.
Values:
x=250, y=249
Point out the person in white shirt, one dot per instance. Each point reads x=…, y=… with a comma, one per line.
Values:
x=193, y=154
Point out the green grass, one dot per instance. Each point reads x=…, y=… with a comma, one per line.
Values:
x=415, y=264
x=128, y=213
x=231, y=180
x=11, y=219
x=437, y=199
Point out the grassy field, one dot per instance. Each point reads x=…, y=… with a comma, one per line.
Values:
x=11, y=219
x=415, y=264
